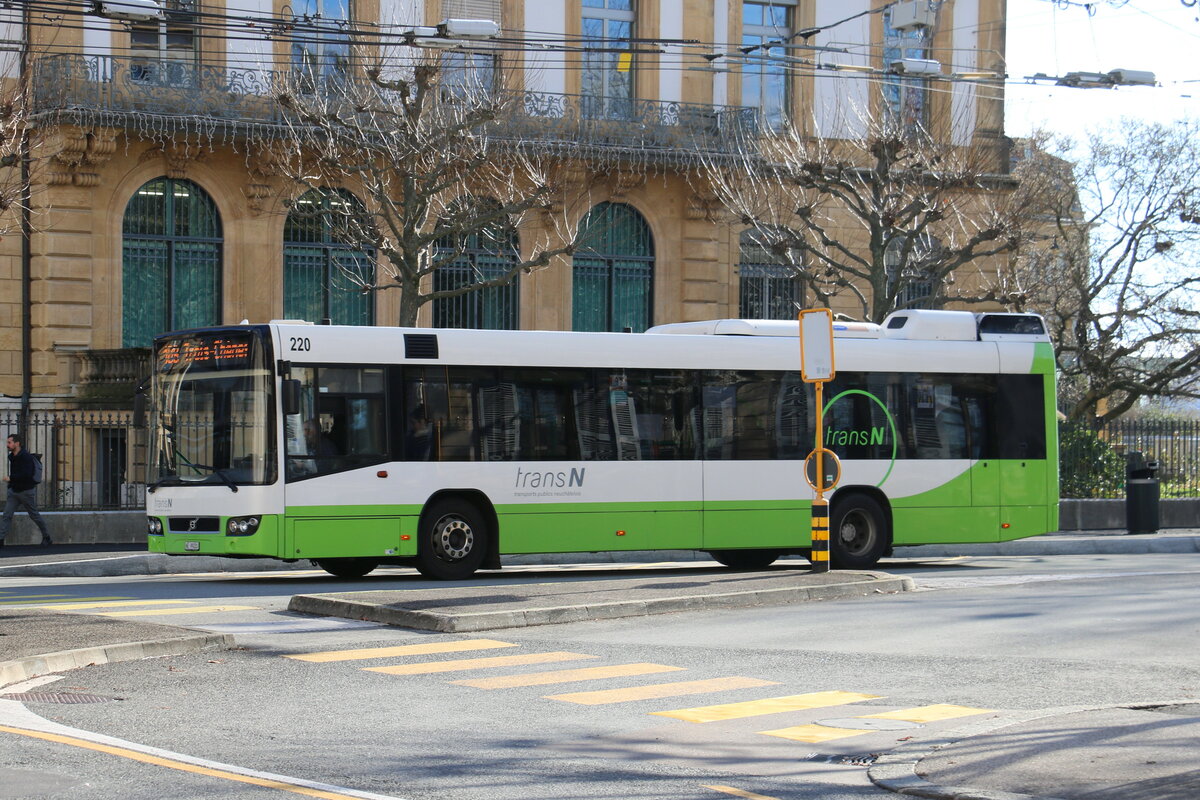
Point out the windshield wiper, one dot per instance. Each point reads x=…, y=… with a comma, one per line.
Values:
x=178, y=481
x=175, y=479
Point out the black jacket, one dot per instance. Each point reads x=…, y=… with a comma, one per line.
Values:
x=20, y=471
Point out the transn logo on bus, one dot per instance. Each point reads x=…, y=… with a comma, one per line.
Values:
x=527, y=479
x=835, y=438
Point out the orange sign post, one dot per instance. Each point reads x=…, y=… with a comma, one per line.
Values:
x=817, y=367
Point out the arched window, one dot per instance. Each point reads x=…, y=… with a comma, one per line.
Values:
x=323, y=275
x=768, y=287
x=613, y=271
x=468, y=258
x=170, y=261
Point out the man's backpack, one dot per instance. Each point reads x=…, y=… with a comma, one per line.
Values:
x=37, y=467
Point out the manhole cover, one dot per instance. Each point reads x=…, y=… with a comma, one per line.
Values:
x=62, y=698
x=865, y=760
x=861, y=724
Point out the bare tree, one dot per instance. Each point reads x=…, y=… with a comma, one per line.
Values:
x=1119, y=255
x=894, y=218
x=15, y=157
x=424, y=146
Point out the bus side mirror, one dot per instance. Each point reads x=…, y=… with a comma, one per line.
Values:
x=139, y=410
x=291, y=396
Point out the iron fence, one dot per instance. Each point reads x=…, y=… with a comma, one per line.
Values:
x=96, y=460
x=1093, y=461
x=91, y=460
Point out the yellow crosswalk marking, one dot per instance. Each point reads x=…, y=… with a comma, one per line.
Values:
x=737, y=792
x=814, y=734
x=191, y=610
x=66, y=599
x=566, y=676
x=117, y=604
x=929, y=713
x=605, y=696
x=477, y=663
x=401, y=650
x=770, y=705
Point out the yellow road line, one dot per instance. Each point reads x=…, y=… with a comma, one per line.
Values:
x=654, y=691
x=566, y=676
x=116, y=603
x=66, y=599
x=477, y=663
x=814, y=734
x=770, y=705
x=737, y=792
x=182, y=766
x=401, y=650
x=929, y=713
x=153, y=612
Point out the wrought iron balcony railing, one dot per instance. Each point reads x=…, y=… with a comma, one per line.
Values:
x=179, y=96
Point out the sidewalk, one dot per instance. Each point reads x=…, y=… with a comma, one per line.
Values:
x=1137, y=752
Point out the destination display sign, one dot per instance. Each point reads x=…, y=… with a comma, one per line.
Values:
x=220, y=351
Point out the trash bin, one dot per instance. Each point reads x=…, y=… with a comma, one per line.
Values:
x=1141, y=494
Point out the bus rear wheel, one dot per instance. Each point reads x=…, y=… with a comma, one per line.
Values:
x=858, y=532
x=347, y=567
x=745, y=559
x=453, y=541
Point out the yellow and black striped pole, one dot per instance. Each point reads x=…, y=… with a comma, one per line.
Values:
x=820, y=535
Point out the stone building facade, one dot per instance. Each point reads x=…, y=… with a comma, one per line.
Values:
x=151, y=202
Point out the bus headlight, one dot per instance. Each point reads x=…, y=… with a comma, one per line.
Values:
x=242, y=526
x=154, y=526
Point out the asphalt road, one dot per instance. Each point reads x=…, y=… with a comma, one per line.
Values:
x=982, y=637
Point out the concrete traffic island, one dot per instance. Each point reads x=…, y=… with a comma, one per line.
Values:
x=35, y=642
x=460, y=608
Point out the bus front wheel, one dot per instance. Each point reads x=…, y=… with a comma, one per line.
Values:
x=453, y=541
x=745, y=559
x=347, y=567
x=858, y=533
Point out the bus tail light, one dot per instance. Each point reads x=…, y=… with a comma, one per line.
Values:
x=242, y=526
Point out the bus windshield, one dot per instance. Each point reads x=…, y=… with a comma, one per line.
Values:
x=213, y=411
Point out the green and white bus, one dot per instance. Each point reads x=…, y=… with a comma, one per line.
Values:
x=447, y=449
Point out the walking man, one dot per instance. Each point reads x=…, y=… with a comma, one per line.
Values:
x=22, y=489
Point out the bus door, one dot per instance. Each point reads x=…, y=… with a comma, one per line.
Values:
x=754, y=433
x=985, y=471
x=1023, y=466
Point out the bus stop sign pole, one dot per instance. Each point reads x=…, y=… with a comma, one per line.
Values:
x=816, y=367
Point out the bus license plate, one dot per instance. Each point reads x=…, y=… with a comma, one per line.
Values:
x=191, y=545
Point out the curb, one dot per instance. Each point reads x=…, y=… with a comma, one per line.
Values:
x=330, y=606
x=1106, y=545
x=896, y=771
x=25, y=668
x=148, y=564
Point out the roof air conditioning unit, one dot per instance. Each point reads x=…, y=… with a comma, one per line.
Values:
x=913, y=14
